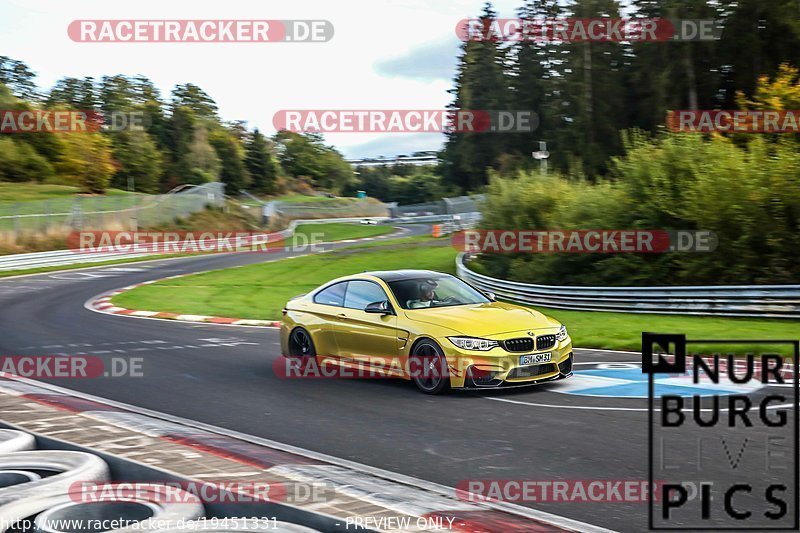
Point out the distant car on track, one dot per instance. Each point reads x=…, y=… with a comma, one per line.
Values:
x=431, y=328
x=369, y=221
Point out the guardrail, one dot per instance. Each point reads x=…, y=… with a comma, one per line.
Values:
x=759, y=301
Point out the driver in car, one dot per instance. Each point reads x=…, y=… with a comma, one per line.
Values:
x=426, y=297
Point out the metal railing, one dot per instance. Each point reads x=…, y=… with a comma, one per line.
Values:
x=762, y=301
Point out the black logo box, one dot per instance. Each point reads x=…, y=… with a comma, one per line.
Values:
x=675, y=345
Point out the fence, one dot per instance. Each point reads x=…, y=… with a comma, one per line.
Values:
x=466, y=208
x=123, y=211
x=445, y=206
x=745, y=301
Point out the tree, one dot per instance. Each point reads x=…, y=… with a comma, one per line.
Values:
x=306, y=155
x=196, y=99
x=233, y=172
x=18, y=78
x=87, y=161
x=20, y=162
x=534, y=72
x=481, y=84
x=79, y=94
x=139, y=159
x=259, y=163
x=591, y=89
x=201, y=163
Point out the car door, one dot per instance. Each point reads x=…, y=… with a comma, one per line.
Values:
x=327, y=305
x=366, y=337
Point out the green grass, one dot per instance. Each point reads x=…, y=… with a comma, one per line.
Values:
x=305, y=199
x=308, y=199
x=259, y=291
x=340, y=231
x=623, y=331
x=11, y=193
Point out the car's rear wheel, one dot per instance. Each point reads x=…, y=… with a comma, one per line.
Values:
x=428, y=367
x=301, y=344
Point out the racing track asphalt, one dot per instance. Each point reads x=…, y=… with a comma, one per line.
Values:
x=223, y=375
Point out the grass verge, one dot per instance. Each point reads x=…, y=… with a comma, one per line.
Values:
x=259, y=292
x=340, y=231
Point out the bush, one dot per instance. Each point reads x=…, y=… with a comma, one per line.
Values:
x=748, y=196
x=20, y=162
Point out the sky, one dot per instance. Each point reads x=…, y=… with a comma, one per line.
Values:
x=384, y=55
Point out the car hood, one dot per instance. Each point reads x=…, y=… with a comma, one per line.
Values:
x=483, y=320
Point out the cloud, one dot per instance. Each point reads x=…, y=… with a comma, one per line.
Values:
x=432, y=61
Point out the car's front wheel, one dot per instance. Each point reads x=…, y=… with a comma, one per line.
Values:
x=301, y=344
x=428, y=367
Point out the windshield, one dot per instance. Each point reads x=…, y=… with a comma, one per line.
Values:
x=441, y=291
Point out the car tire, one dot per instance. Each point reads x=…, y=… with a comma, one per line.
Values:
x=301, y=344
x=428, y=356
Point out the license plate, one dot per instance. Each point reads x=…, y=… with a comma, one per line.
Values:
x=535, y=358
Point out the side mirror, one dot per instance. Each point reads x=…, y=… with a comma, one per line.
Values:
x=492, y=296
x=379, y=308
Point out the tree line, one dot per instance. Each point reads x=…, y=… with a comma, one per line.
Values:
x=615, y=166
x=181, y=140
x=587, y=94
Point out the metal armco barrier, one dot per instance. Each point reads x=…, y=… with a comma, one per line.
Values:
x=758, y=301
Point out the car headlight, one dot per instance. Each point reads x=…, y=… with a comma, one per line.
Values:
x=473, y=343
x=562, y=334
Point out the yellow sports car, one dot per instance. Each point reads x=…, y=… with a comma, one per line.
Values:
x=431, y=328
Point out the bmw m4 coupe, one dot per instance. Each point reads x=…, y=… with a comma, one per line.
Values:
x=428, y=327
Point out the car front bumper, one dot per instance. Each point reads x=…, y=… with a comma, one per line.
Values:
x=498, y=368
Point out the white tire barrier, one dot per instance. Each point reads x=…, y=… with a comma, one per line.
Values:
x=42, y=490
x=12, y=440
x=10, y=478
x=149, y=501
x=68, y=467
